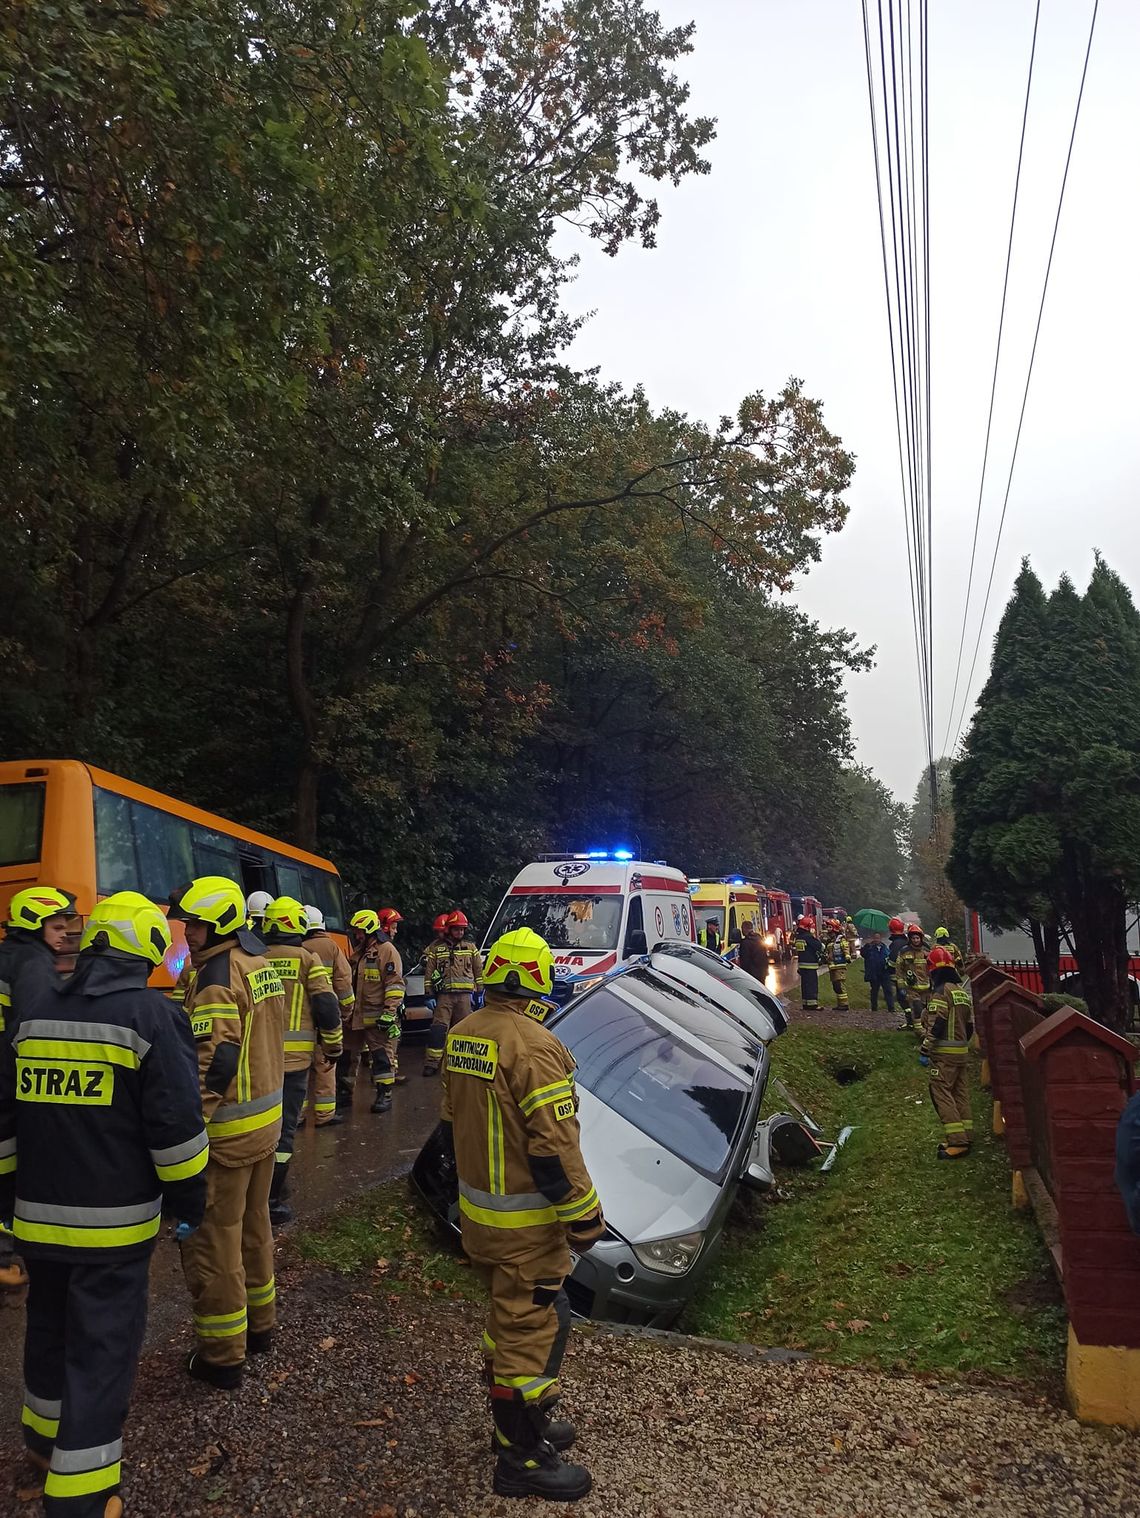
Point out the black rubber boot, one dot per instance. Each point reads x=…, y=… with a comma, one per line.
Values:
x=383, y=1102
x=331, y=1122
x=258, y=1341
x=343, y=1094
x=540, y=1472
x=279, y=1210
x=224, y=1377
x=560, y=1432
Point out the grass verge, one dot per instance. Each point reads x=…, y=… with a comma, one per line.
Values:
x=895, y=1259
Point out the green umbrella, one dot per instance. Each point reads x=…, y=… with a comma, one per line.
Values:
x=870, y=921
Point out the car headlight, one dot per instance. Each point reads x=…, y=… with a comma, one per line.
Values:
x=673, y=1257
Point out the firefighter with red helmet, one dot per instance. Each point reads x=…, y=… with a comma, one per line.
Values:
x=453, y=979
x=912, y=974
x=808, y=949
x=837, y=954
x=526, y=1200
x=948, y=1026
x=378, y=985
x=895, y=946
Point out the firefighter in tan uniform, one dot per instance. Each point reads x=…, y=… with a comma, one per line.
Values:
x=312, y=1023
x=948, y=1026
x=912, y=974
x=835, y=949
x=942, y=940
x=320, y=942
x=376, y=966
x=236, y=1007
x=453, y=979
x=510, y=1111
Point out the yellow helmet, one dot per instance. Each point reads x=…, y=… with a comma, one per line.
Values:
x=211, y=899
x=128, y=922
x=286, y=916
x=366, y=921
x=940, y=934
x=521, y=963
x=30, y=909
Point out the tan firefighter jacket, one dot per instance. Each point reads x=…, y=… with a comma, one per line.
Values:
x=330, y=953
x=312, y=1013
x=452, y=968
x=948, y=1023
x=236, y=1007
x=379, y=983
x=508, y=1092
x=911, y=972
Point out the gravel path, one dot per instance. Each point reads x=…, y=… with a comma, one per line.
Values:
x=369, y=1406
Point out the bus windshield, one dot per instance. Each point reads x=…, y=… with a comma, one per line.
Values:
x=565, y=922
x=21, y=823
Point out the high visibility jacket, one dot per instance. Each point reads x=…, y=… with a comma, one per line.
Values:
x=236, y=1008
x=312, y=1012
x=807, y=949
x=452, y=967
x=850, y=934
x=101, y=1125
x=330, y=953
x=508, y=1092
x=911, y=971
x=379, y=983
x=709, y=937
x=27, y=967
x=837, y=951
x=945, y=943
x=896, y=946
x=948, y=1023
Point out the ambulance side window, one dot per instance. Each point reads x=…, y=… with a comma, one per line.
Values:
x=733, y=930
x=635, y=939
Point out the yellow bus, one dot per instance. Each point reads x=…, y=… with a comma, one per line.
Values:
x=66, y=823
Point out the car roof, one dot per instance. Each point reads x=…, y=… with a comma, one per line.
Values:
x=739, y=995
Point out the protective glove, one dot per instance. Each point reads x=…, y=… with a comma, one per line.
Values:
x=477, y=1000
x=182, y=1232
x=924, y=1059
x=430, y=1003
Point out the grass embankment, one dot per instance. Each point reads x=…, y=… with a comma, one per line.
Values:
x=896, y=1258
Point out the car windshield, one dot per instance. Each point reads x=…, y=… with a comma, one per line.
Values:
x=669, y=1088
x=565, y=921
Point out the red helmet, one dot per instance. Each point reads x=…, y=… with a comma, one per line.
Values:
x=895, y=925
x=389, y=915
x=912, y=928
x=940, y=959
x=440, y=922
x=806, y=922
x=457, y=920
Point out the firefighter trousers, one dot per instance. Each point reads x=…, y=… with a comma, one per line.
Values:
x=295, y=1090
x=950, y=1093
x=528, y=1325
x=838, y=975
x=324, y=1087
x=373, y=1038
x=229, y=1261
x=809, y=986
x=85, y=1329
x=451, y=1007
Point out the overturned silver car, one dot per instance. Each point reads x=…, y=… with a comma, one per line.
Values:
x=671, y=1078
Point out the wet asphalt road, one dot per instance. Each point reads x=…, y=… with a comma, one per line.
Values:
x=329, y=1165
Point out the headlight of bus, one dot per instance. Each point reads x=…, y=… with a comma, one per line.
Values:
x=673, y=1257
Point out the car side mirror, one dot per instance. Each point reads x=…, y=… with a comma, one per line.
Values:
x=636, y=942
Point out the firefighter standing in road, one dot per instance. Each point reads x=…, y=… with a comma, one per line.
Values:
x=948, y=1026
x=375, y=965
x=98, y=1091
x=911, y=971
x=390, y=921
x=453, y=979
x=312, y=1022
x=320, y=942
x=807, y=949
x=837, y=962
x=236, y=1008
x=42, y=923
x=525, y=1200
x=942, y=940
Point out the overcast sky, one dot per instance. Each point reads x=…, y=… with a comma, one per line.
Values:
x=771, y=266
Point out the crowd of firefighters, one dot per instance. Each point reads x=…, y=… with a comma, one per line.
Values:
x=118, y=1109
x=925, y=981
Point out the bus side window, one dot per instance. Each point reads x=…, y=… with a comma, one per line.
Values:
x=115, y=867
x=162, y=846
x=215, y=854
x=257, y=872
x=289, y=880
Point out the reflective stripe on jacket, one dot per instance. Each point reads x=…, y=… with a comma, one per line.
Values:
x=452, y=968
x=949, y=1023
x=311, y=1009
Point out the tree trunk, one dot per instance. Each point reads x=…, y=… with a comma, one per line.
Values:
x=1098, y=913
x=1046, y=936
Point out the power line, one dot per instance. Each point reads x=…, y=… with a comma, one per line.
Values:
x=993, y=384
x=1029, y=372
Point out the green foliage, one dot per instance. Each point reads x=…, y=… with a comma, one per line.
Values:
x=867, y=864
x=1047, y=791
x=930, y=829
x=1053, y=1001
x=894, y=1259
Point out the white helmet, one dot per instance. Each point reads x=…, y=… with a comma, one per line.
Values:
x=258, y=904
x=316, y=918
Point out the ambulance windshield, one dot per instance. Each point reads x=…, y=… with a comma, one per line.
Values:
x=589, y=923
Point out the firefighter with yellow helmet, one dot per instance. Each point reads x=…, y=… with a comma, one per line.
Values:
x=101, y=1134
x=237, y=1012
x=942, y=940
x=41, y=929
x=509, y=1111
x=312, y=1023
x=378, y=988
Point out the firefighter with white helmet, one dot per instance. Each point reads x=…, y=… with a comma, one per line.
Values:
x=525, y=1199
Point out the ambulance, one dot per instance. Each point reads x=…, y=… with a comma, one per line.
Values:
x=721, y=907
x=596, y=910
